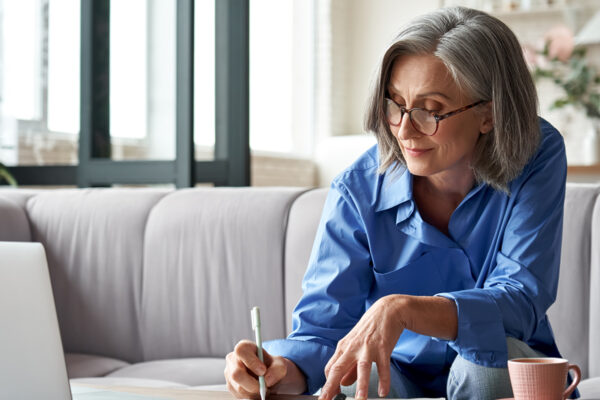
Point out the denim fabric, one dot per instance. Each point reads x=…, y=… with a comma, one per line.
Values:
x=468, y=380
x=400, y=388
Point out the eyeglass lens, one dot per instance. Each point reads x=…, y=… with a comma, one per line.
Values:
x=422, y=120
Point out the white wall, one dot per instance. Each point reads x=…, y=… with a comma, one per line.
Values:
x=361, y=31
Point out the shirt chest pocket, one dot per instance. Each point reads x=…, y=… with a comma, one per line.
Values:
x=437, y=271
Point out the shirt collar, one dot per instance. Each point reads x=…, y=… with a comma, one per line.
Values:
x=395, y=188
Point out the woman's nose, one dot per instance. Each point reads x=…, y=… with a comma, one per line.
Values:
x=406, y=130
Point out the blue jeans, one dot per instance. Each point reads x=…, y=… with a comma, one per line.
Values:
x=466, y=380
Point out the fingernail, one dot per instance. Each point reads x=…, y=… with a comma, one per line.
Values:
x=360, y=395
x=323, y=396
x=381, y=393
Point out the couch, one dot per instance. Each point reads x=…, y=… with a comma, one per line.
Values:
x=155, y=286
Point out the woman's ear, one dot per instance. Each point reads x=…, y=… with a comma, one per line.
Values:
x=487, y=118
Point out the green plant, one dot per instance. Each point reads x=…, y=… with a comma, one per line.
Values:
x=580, y=81
x=5, y=175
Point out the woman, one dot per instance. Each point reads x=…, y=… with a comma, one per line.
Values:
x=438, y=250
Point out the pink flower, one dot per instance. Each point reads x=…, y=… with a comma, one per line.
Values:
x=560, y=42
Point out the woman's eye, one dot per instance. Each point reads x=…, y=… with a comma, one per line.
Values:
x=433, y=107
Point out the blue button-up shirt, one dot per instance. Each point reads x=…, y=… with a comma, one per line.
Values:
x=499, y=263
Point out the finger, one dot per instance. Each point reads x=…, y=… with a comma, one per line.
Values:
x=277, y=371
x=336, y=372
x=363, y=373
x=338, y=353
x=267, y=358
x=383, y=370
x=241, y=380
x=246, y=351
x=349, y=378
x=239, y=392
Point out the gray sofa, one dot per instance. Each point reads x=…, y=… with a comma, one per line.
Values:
x=154, y=286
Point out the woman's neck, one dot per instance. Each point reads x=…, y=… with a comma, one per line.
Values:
x=446, y=185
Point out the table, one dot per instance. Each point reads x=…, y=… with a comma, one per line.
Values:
x=146, y=393
x=120, y=392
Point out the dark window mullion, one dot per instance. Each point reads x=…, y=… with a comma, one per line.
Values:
x=184, y=162
x=94, y=136
x=232, y=88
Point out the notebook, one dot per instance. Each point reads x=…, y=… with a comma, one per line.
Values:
x=32, y=363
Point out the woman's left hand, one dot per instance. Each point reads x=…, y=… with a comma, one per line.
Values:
x=371, y=340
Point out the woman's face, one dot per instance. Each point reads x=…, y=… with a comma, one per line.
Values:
x=423, y=81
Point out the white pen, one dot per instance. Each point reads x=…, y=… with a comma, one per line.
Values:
x=256, y=326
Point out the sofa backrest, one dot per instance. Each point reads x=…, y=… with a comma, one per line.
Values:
x=303, y=221
x=575, y=317
x=143, y=274
x=94, y=244
x=570, y=314
x=219, y=252
x=594, y=341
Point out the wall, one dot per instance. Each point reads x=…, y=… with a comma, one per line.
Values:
x=360, y=32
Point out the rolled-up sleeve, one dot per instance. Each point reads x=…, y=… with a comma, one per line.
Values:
x=522, y=282
x=335, y=288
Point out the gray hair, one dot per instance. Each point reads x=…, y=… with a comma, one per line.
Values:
x=486, y=61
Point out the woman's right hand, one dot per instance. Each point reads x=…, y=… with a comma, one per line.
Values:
x=243, y=366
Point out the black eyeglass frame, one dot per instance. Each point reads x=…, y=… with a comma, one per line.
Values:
x=438, y=118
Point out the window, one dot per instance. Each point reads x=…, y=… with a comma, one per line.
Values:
x=137, y=130
x=282, y=48
x=39, y=80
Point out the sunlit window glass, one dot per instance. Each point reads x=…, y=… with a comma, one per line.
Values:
x=63, y=65
x=21, y=59
x=204, y=78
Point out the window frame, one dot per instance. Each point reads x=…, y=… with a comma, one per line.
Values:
x=231, y=166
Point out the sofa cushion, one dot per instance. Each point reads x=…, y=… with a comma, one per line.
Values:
x=94, y=245
x=19, y=196
x=14, y=225
x=303, y=221
x=569, y=315
x=185, y=371
x=87, y=365
x=590, y=388
x=210, y=256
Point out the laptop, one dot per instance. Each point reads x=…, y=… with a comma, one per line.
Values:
x=32, y=363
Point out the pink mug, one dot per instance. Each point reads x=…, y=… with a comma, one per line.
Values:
x=542, y=378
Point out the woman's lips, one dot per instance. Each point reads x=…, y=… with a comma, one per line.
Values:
x=415, y=152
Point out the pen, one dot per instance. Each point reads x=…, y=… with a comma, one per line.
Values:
x=256, y=327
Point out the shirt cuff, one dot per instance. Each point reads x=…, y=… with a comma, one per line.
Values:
x=309, y=356
x=481, y=338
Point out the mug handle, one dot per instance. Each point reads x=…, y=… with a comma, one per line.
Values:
x=573, y=385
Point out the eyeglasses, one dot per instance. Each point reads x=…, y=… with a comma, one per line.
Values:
x=424, y=121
